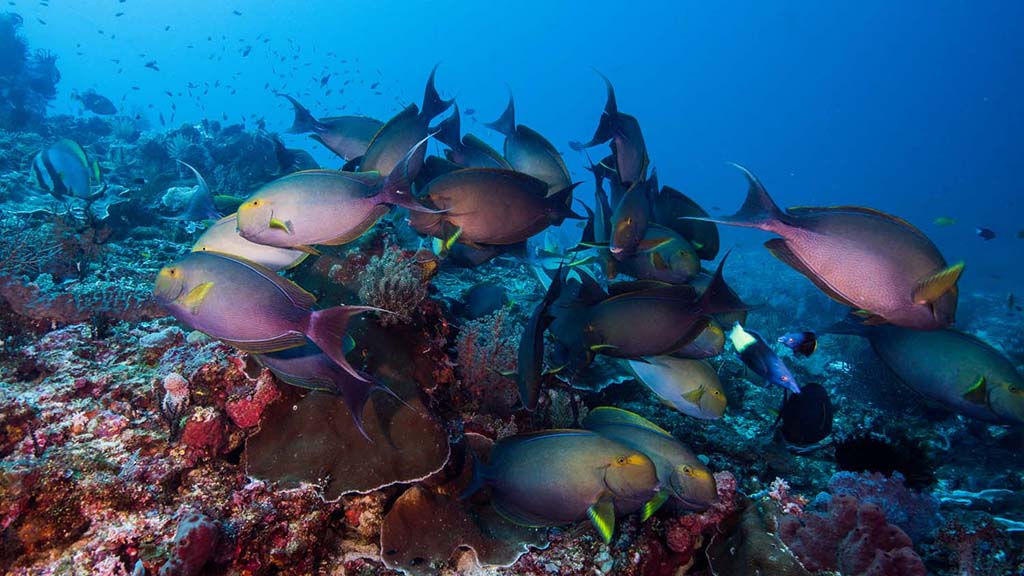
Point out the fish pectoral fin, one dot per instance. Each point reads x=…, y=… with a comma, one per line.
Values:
x=978, y=392
x=602, y=515
x=276, y=224
x=652, y=505
x=931, y=288
x=658, y=261
x=694, y=396
x=195, y=296
x=599, y=347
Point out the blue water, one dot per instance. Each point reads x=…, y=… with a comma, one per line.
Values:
x=911, y=107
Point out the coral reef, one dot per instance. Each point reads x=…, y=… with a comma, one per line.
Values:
x=852, y=538
x=28, y=80
x=392, y=281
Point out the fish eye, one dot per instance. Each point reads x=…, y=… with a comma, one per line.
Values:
x=621, y=460
x=687, y=470
x=255, y=203
x=629, y=221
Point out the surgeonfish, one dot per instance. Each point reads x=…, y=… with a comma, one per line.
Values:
x=250, y=307
x=691, y=387
x=958, y=371
x=467, y=151
x=629, y=150
x=324, y=206
x=490, y=206
x=223, y=237
x=681, y=474
x=558, y=477
x=527, y=151
x=873, y=262
x=346, y=136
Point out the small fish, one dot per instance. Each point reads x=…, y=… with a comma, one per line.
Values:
x=246, y=51
x=95, y=103
x=806, y=418
x=482, y=299
x=222, y=295
x=985, y=233
x=802, y=343
x=236, y=12
x=944, y=221
x=681, y=474
x=558, y=477
x=65, y=169
x=761, y=359
x=470, y=111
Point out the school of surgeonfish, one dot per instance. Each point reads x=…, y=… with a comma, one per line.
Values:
x=661, y=322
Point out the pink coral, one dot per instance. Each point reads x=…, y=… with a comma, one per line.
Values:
x=685, y=535
x=204, y=431
x=246, y=409
x=194, y=542
x=853, y=538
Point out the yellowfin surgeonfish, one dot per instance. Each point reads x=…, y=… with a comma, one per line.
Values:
x=223, y=237
x=690, y=386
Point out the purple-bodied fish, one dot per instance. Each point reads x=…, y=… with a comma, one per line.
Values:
x=873, y=262
x=557, y=477
x=346, y=136
x=324, y=206
x=250, y=307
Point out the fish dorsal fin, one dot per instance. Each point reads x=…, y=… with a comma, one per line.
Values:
x=602, y=515
x=978, y=392
x=410, y=111
x=609, y=415
x=806, y=210
x=299, y=297
x=931, y=288
x=195, y=296
x=471, y=141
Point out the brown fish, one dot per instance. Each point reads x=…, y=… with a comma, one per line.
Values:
x=346, y=136
x=629, y=150
x=490, y=206
x=530, y=153
x=402, y=132
x=876, y=263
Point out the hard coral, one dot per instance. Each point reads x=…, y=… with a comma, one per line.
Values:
x=853, y=538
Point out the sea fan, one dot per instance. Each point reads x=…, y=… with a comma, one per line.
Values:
x=43, y=74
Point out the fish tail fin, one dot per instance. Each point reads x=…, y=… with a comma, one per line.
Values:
x=433, y=104
x=506, y=123
x=562, y=200
x=304, y=121
x=478, y=481
x=588, y=231
x=606, y=126
x=449, y=130
x=398, y=183
x=758, y=210
x=718, y=297
x=327, y=329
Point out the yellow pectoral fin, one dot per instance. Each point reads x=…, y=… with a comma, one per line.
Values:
x=978, y=392
x=930, y=289
x=279, y=225
x=602, y=515
x=652, y=505
x=195, y=296
x=694, y=396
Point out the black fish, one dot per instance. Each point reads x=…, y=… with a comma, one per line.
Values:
x=152, y=65
x=246, y=51
x=806, y=418
x=95, y=103
x=482, y=299
x=985, y=233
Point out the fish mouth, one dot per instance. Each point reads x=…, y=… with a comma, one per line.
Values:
x=616, y=250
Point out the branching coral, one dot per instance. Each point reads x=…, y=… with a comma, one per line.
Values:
x=392, y=281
